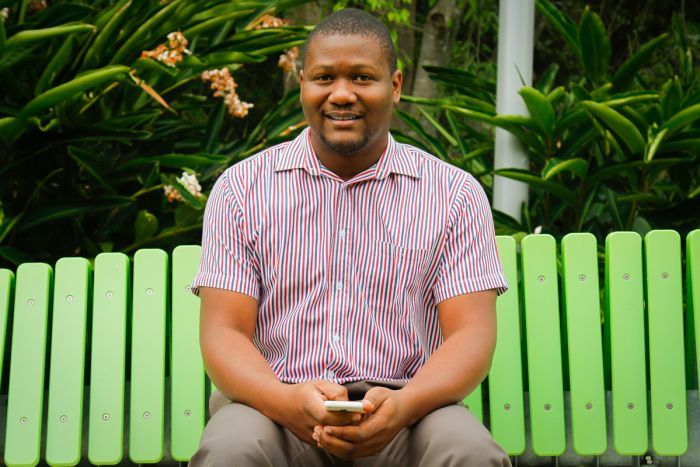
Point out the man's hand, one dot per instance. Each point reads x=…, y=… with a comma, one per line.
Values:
x=303, y=408
x=386, y=415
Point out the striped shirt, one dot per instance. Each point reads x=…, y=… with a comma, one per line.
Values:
x=347, y=274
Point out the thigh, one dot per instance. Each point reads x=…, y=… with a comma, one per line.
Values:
x=240, y=435
x=450, y=436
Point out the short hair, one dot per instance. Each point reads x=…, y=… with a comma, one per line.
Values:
x=351, y=22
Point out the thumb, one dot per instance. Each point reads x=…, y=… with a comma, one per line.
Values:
x=374, y=398
x=332, y=391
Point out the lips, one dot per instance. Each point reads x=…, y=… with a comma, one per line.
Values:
x=342, y=116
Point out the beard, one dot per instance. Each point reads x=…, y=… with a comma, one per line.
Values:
x=345, y=148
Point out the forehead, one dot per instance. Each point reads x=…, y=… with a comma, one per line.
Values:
x=332, y=50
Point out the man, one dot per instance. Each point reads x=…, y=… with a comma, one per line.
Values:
x=343, y=265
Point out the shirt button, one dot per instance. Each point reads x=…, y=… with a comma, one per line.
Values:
x=339, y=285
x=341, y=234
x=331, y=373
x=336, y=338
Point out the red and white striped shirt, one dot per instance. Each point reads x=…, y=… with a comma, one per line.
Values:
x=347, y=274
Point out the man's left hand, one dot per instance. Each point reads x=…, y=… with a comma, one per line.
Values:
x=386, y=415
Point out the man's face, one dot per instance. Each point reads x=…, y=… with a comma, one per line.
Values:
x=348, y=94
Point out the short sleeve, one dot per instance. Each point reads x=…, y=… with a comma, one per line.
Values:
x=226, y=260
x=469, y=260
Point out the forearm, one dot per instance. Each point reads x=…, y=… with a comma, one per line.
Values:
x=239, y=371
x=453, y=371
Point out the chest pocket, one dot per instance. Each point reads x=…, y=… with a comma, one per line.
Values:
x=391, y=277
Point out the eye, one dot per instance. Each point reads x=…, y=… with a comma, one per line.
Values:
x=363, y=77
x=323, y=78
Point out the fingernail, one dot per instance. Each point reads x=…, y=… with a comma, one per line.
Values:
x=315, y=436
x=327, y=430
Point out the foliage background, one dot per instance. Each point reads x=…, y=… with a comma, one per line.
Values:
x=84, y=157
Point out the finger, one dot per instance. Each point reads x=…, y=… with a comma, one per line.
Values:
x=340, y=447
x=340, y=418
x=333, y=391
x=374, y=398
x=352, y=434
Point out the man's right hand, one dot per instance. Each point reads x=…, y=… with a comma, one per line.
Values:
x=301, y=408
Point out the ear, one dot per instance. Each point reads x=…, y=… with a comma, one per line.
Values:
x=301, y=84
x=396, y=83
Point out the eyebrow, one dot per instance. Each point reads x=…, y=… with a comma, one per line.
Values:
x=352, y=68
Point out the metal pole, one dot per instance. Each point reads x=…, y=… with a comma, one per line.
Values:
x=516, y=30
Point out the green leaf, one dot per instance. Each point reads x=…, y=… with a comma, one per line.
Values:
x=215, y=21
x=63, y=56
x=67, y=90
x=176, y=160
x=561, y=23
x=107, y=35
x=540, y=109
x=559, y=190
x=78, y=208
x=14, y=256
x=546, y=82
x=614, y=211
x=653, y=145
x=619, y=169
x=216, y=119
x=431, y=143
x=145, y=226
x=683, y=118
x=671, y=97
x=441, y=129
x=554, y=166
x=85, y=160
x=186, y=215
x=32, y=36
x=628, y=70
x=595, y=45
x=220, y=59
x=623, y=127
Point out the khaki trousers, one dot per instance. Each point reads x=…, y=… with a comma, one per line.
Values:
x=238, y=435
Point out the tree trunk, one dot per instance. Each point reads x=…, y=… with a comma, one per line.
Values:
x=309, y=13
x=436, y=47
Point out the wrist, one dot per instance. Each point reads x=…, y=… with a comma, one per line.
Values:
x=273, y=396
x=411, y=405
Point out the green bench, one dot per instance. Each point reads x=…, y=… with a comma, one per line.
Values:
x=104, y=362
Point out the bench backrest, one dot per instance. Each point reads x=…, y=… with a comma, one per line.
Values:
x=564, y=325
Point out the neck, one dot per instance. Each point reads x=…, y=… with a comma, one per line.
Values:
x=348, y=165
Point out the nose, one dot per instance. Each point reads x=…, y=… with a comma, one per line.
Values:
x=342, y=93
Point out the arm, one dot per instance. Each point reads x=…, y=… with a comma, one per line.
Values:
x=239, y=371
x=468, y=325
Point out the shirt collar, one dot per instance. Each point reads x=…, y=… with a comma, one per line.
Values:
x=299, y=154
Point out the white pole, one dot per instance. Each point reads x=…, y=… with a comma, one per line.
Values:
x=516, y=30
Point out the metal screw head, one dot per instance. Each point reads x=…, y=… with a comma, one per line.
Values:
x=188, y=412
x=669, y=406
x=23, y=420
x=630, y=405
x=506, y=407
x=69, y=298
x=582, y=277
x=147, y=415
x=188, y=289
x=664, y=275
x=626, y=276
x=589, y=406
x=63, y=419
x=540, y=278
x=548, y=407
x=109, y=294
x=30, y=302
x=149, y=291
x=105, y=416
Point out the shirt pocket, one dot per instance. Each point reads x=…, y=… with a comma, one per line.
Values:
x=393, y=278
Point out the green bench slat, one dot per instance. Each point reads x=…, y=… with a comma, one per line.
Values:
x=66, y=372
x=507, y=412
x=624, y=299
x=6, y=282
x=147, y=414
x=108, y=359
x=26, y=391
x=666, y=347
x=544, y=358
x=187, y=369
x=475, y=403
x=579, y=254
x=693, y=286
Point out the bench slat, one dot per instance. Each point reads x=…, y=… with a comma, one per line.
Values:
x=26, y=391
x=148, y=336
x=110, y=302
x=624, y=299
x=67, y=369
x=666, y=347
x=693, y=287
x=543, y=345
x=7, y=279
x=579, y=254
x=187, y=369
x=506, y=376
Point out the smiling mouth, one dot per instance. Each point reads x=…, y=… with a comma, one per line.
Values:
x=342, y=117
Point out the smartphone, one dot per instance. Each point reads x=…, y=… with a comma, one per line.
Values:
x=344, y=406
